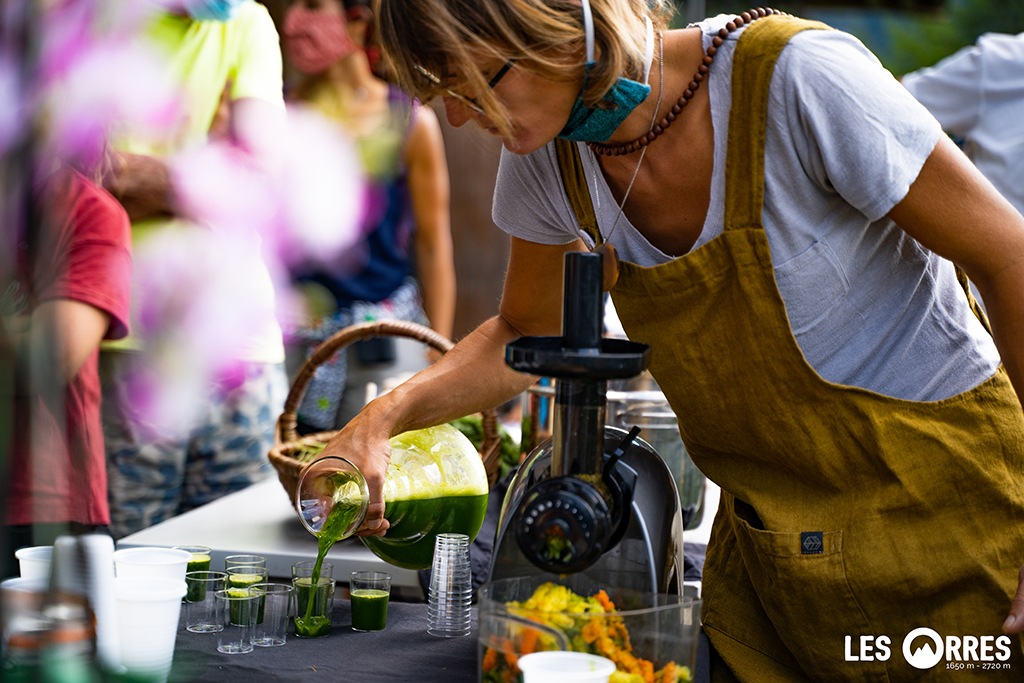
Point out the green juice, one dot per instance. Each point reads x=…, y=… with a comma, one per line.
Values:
x=240, y=609
x=197, y=589
x=246, y=581
x=369, y=609
x=341, y=517
x=415, y=524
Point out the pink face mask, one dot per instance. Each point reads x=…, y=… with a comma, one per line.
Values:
x=315, y=40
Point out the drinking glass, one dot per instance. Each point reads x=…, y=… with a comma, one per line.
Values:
x=272, y=629
x=236, y=613
x=247, y=560
x=200, y=608
x=369, y=592
x=313, y=621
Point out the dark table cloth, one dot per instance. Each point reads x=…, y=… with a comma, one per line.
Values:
x=403, y=651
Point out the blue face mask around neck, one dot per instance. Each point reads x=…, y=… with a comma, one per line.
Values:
x=597, y=125
x=212, y=10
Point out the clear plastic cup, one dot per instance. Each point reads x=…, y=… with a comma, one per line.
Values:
x=34, y=562
x=318, y=623
x=200, y=608
x=305, y=569
x=232, y=561
x=565, y=667
x=147, y=623
x=451, y=587
x=147, y=563
x=237, y=609
x=272, y=629
x=369, y=592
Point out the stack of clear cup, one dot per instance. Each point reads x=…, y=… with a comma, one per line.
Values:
x=451, y=587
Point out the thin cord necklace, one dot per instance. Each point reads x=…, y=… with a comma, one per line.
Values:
x=654, y=118
x=657, y=128
x=610, y=264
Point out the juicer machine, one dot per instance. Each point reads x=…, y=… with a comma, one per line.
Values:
x=592, y=498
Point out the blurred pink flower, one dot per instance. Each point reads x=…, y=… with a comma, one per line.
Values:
x=111, y=86
x=322, y=191
x=205, y=296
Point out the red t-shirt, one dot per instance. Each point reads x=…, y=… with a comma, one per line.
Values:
x=58, y=473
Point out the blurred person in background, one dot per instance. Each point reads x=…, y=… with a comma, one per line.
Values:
x=405, y=267
x=71, y=291
x=225, y=55
x=977, y=95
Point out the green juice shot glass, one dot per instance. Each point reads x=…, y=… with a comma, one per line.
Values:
x=200, y=562
x=313, y=605
x=245, y=577
x=236, y=613
x=369, y=592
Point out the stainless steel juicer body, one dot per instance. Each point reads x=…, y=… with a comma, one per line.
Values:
x=592, y=497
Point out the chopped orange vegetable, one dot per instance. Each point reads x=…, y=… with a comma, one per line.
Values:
x=529, y=641
x=490, y=659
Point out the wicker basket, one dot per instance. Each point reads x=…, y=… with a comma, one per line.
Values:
x=287, y=442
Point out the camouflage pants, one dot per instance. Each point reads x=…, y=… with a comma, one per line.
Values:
x=150, y=479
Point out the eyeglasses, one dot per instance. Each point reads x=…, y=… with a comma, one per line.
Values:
x=467, y=101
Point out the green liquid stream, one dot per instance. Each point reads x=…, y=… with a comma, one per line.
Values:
x=342, y=516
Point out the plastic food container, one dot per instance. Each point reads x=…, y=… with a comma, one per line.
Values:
x=645, y=634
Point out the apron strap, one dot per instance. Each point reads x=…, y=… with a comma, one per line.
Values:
x=757, y=50
x=574, y=179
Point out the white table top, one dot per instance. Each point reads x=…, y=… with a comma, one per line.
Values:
x=260, y=520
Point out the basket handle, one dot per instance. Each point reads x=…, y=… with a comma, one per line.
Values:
x=490, y=450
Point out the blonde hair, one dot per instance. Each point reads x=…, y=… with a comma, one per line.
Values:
x=448, y=37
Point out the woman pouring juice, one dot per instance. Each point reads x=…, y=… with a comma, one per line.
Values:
x=786, y=220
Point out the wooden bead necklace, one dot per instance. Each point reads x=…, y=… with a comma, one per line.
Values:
x=702, y=71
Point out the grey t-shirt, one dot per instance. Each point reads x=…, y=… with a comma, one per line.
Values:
x=868, y=305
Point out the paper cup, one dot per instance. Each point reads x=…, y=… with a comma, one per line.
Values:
x=147, y=622
x=565, y=667
x=34, y=562
x=150, y=563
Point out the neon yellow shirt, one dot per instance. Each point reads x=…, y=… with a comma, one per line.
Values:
x=202, y=58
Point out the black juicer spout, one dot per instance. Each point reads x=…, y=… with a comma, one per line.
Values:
x=580, y=511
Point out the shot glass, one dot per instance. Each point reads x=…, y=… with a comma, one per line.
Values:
x=246, y=576
x=305, y=569
x=236, y=613
x=369, y=592
x=272, y=630
x=313, y=606
x=232, y=561
x=200, y=561
x=200, y=607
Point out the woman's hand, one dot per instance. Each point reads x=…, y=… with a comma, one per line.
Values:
x=1015, y=622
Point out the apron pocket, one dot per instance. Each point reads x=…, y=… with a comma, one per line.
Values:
x=800, y=580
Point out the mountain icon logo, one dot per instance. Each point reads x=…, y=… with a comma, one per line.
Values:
x=923, y=656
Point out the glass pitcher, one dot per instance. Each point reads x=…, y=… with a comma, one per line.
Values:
x=435, y=483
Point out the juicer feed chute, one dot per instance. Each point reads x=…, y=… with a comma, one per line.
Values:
x=592, y=497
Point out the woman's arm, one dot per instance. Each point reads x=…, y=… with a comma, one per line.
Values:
x=954, y=211
x=469, y=378
x=430, y=194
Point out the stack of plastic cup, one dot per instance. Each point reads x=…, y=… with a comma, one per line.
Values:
x=451, y=587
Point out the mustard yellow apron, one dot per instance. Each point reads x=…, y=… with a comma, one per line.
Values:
x=843, y=512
